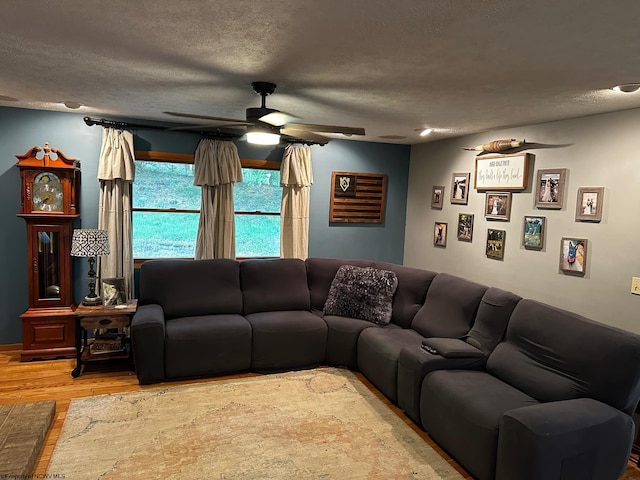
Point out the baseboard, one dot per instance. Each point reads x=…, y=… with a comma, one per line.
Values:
x=9, y=347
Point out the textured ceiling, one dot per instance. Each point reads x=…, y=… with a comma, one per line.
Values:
x=461, y=67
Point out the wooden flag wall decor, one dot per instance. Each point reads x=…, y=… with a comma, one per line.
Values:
x=357, y=197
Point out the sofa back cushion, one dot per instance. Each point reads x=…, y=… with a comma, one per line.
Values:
x=551, y=354
x=320, y=275
x=449, y=308
x=413, y=284
x=492, y=318
x=274, y=284
x=191, y=287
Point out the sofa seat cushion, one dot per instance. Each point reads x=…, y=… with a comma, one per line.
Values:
x=207, y=345
x=461, y=410
x=287, y=340
x=342, y=340
x=362, y=292
x=413, y=365
x=378, y=353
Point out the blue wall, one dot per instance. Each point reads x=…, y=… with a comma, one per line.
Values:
x=382, y=242
x=21, y=129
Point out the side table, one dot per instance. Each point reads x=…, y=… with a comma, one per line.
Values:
x=96, y=318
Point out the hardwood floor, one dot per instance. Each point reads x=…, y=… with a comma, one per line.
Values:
x=51, y=380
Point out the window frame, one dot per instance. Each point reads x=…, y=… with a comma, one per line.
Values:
x=154, y=156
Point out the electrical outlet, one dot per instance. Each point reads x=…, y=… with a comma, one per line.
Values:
x=635, y=285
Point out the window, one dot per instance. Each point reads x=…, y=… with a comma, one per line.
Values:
x=166, y=208
x=257, y=205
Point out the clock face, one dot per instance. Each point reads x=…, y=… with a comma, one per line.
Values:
x=47, y=193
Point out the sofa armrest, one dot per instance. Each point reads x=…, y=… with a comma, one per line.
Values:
x=147, y=343
x=570, y=439
x=451, y=348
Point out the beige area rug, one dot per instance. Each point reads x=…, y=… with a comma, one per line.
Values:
x=315, y=424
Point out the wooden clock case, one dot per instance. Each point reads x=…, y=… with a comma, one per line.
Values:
x=49, y=206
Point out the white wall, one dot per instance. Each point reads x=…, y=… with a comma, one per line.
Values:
x=602, y=150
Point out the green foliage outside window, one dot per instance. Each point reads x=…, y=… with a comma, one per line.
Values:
x=167, y=234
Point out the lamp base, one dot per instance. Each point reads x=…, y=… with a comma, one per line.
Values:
x=92, y=301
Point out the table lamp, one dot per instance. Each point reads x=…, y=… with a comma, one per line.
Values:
x=90, y=242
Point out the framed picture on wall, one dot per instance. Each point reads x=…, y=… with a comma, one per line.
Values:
x=495, y=243
x=533, y=230
x=460, y=188
x=550, y=188
x=497, y=206
x=437, y=196
x=573, y=255
x=440, y=234
x=589, y=204
x=465, y=227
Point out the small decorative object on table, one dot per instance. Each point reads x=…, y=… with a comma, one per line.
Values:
x=113, y=291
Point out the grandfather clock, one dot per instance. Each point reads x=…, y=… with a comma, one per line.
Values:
x=49, y=206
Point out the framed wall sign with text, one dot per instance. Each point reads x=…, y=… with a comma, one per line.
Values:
x=503, y=172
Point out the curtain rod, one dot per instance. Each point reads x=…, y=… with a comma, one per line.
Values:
x=103, y=122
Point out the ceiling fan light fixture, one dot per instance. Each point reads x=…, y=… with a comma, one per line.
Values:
x=259, y=136
x=626, y=87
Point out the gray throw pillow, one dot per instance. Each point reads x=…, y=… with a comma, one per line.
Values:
x=365, y=293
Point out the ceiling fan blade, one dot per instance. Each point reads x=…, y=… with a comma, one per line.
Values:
x=205, y=117
x=305, y=135
x=348, y=131
x=208, y=125
x=277, y=118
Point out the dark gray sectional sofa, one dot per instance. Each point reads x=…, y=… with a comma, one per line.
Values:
x=513, y=389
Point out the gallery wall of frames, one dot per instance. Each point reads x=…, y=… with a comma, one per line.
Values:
x=555, y=219
x=498, y=178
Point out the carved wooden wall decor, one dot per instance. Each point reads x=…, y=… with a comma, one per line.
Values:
x=357, y=197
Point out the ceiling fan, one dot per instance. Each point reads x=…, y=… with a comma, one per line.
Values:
x=265, y=125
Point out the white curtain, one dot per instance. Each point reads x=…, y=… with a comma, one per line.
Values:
x=116, y=172
x=296, y=178
x=216, y=168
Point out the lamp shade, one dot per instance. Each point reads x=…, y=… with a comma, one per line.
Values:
x=89, y=242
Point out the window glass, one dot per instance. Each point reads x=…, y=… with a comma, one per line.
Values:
x=164, y=234
x=257, y=235
x=166, y=208
x=163, y=185
x=259, y=191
